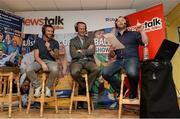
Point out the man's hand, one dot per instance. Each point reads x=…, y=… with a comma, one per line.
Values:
x=47, y=44
x=91, y=46
x=112, y=48
x=44, y=67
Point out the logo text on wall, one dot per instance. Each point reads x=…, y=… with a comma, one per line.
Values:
x=152, y=25
x=56, y=21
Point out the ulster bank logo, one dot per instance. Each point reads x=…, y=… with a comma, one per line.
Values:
x=57, y=22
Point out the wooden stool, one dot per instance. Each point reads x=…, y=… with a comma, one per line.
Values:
x=42, y=99
x=6, y=84
x=75, y=97
x=123, y=100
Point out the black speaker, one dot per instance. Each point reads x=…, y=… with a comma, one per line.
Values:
x=158, y=94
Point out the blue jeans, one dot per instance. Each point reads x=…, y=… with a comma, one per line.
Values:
x=131, y=66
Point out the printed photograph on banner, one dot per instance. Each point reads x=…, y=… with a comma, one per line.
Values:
x=106, y=96
x=10, y=47
x=28, y=42
x=64, y=55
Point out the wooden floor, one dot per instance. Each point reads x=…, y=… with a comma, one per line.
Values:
x=80, y=113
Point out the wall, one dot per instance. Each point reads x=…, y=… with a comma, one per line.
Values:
x=65, y=20
x=172, y=22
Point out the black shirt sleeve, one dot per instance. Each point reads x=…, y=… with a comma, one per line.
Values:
x=56, y=45
x=139, y=38
x=36, y=46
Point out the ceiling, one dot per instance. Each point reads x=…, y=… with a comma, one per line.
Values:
x=69, y=5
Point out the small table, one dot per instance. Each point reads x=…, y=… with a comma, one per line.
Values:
x=7, y=74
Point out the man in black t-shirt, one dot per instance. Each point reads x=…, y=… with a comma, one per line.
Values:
x=46, y=51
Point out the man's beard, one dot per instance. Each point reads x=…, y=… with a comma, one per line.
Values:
x=48, y=36
x=122, y=27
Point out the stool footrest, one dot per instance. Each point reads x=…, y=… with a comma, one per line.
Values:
x=46, y=99
x=80, y=98
x=131, y=101
x=6, y=98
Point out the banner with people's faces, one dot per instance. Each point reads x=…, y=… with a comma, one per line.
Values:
x=10, y=38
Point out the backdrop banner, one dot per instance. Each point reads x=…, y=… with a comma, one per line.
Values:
x=153, y=22
x=151, y=18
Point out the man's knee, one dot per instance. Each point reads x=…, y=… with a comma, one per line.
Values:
x=29, y=69
x=75, y=72
x=105, y=74
x=54, y=69
x=133, y=74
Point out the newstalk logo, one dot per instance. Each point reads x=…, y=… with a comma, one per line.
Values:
x=56, y=21
x=152, y=25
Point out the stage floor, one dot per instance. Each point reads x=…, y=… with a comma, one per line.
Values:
x=80, y=113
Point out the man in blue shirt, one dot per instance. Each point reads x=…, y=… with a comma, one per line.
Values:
x=46, y=51
x=126, y=58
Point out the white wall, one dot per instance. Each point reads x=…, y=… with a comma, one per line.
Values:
x=95, y=19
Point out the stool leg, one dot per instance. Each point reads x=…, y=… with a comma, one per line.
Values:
x=19, y=95
x=55, y=96
x=121, y=96
x=30, y=98
x=1, y=91
x=92, y=104
x=87, y=94
x=76, y=94
x=10, y=94
x=42, y=94
x=5, y=88
x=72, y=96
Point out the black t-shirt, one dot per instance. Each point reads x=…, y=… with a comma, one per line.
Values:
x=43, y=52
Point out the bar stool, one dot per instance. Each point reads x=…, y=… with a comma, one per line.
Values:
x=6, y=84
x=123, y=100
x=75, y=97
x=42, y=99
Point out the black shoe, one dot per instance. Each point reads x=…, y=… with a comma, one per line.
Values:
x=36, y=105
x=132, y=95
x=80, y=105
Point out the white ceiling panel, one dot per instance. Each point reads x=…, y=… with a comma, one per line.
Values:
x=119, y=4
x=142, y=4
x=68, y=4
x=93, y=4
x=42, y=5
x=17, y=5
x=170, y=5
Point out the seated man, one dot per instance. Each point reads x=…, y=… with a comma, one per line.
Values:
x=82, y=49
x=126, y=58
x=46, y=51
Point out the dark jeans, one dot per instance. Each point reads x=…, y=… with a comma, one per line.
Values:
x=90, y=67
x=131, y=66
